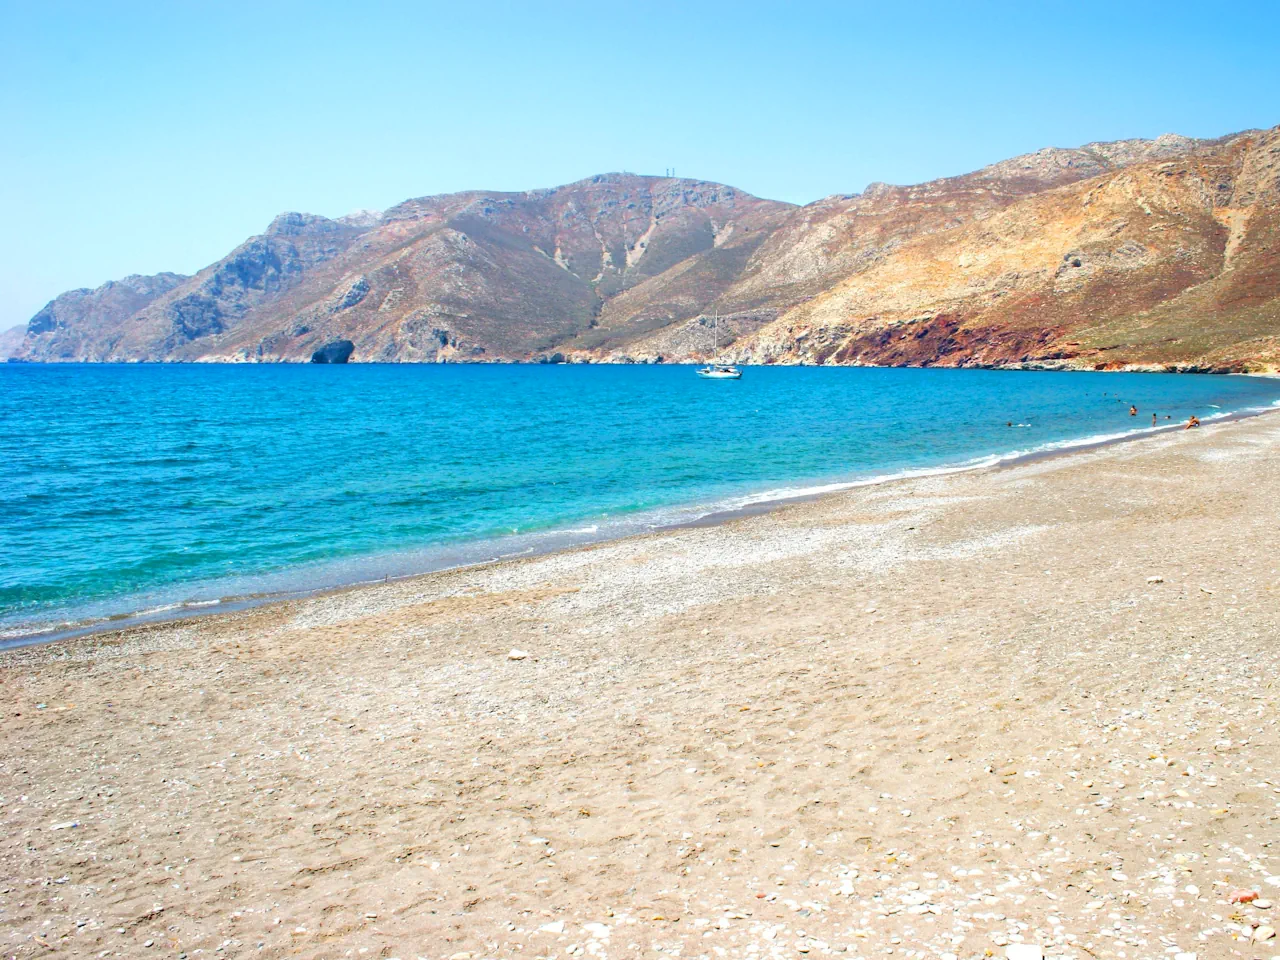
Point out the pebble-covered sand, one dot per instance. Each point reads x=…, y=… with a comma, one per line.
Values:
x=1015, y=713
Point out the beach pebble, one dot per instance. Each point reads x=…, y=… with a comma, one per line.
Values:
x=555, y=927
x=1024, y=951
x=1264, y=933
x=1243, y=896
x=1262, y=904
x=1155, y=579
x=517, y=654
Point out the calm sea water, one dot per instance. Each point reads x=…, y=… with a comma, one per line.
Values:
x=129, y=488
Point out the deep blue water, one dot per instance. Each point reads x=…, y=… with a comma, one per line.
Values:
x=130, y=487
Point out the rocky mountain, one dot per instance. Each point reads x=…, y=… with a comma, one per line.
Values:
x=1159, y=253
x=472, y=276
x=1169, y=258
x=87, y=324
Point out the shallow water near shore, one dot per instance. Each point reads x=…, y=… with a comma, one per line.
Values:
x=163, y=488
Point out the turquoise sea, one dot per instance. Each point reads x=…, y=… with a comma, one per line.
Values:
x=147, y=488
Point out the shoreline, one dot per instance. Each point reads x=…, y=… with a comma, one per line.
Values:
x=939, y=716
x=181, y=612
x=1189, y=368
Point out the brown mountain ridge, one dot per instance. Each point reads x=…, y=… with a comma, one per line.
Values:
x=1151, y=254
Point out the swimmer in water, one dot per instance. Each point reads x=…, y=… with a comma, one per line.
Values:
x=1133, y=411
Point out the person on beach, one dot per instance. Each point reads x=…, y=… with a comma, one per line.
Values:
x=1133, y=411
x=1153, y=420
x=1193, y=422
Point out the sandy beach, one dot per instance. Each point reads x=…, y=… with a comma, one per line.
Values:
x=961, y=716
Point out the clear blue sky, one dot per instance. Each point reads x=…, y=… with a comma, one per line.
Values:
x=140, y=137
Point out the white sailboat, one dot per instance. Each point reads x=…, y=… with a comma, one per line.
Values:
x=716, y=370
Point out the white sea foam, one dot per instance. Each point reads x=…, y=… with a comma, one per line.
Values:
x=818, y=490
x=978, y=463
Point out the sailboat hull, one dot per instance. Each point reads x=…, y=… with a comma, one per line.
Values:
x=716, y=370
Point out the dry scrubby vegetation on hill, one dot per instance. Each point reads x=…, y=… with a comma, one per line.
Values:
x=1161, y=253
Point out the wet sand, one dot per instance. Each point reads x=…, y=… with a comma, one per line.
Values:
x=939, y=716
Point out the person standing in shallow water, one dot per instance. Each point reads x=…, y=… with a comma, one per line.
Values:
x=1153, y=419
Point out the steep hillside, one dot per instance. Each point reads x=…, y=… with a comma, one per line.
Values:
x=1159, y=253
x=1169, y=261
x=463, y=276
x=87, y=324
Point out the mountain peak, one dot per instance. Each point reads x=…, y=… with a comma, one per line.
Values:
x=292, y=224
x=360, y=218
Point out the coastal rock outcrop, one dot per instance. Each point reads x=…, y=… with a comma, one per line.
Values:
x=85, y=324
x=339, y=351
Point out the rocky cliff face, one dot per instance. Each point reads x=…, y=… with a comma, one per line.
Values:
x=1159, y=253
x=86, y=324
